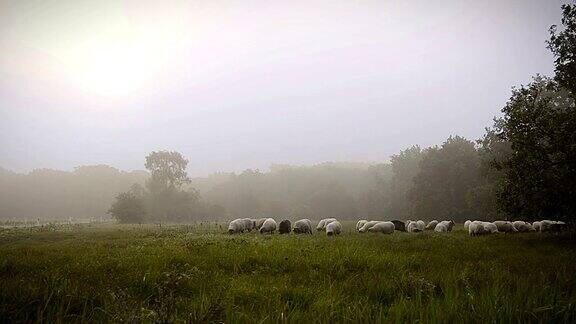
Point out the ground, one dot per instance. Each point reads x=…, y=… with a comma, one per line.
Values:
x=198, y=273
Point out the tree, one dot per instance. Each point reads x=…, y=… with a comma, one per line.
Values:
x=540, y=174
x=446, y=176
x=563, y=46
x=167, y=171
x=405, y=166
x=127, y=208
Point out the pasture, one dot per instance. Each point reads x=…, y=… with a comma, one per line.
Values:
x=198, y=273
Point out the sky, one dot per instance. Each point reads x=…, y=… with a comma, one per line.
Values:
x=244, y=84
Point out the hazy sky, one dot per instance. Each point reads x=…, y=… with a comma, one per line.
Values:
x=243, y=84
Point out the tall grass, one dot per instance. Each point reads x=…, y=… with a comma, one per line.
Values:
x=197, y=273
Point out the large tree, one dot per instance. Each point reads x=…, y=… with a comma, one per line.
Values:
x=539, y=125
x=540, y=174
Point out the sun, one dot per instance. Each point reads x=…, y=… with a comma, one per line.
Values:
x=113, y=66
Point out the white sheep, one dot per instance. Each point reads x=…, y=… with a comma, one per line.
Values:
x=360, y=224
x=249, y=224
x=466, y=224
x=537, y=226
x=505, y=227
x=303, y=226
x=449, y=224
x=551, y=226
x=367, y=226
x=523, y=227
x=476, y=228
x=441, y=227
x=412, y=227
x=236, y=226
x=260, y=222
x=432, y=225
x=269, y=226
x=383, y=227
x=333, y=228
x=490, y=228
x=323, y=223
x=421, y=225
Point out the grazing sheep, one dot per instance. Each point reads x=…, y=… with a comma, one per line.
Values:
x=323, y=223
x=285, y=227
x=260, y=222
x=421, y=225
x=248, y=224
x=399, y=225
x=432, y=225
x=523, y=227
x=360, y=223
x=476, y=228
x=333, y=228
x=382, y=227
x=269, y=226
x=412, y=227
x=236, y=226
x=303, y=226
x=441, y=227
x=537, y=226
x=552, y=226
x=448, y=224
x=367, y=226
x=490, y=228
x=505, y=227
x=466, y=224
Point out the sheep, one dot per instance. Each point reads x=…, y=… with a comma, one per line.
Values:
x=285, y=227
x=303, y=226
x=476, y=228
x=333, y=228
x=248, y=224
x=399, y=225
x=505, y=227
x=367, y=226
x=441, y=227
x=323, y=223
x=537, y=226
x=412, y=227
x=421, y=225
x=432, y=225
x=448, y=224
x=269, y=226
x=236, y=226
x=490, y=227
x=260, y=222
x=523, y=227
x=383, y=227
x=551, y=226
x=360, y=223
x=466, y=224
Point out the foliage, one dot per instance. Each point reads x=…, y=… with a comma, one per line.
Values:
x=405, y=167
x=540, y=176
x=128, y=208
x=147, y=273
x=563, y=46
x=167, y=171
x=445, y=177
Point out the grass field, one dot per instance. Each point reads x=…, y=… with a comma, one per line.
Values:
x=111, y=273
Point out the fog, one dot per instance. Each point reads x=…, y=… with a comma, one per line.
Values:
x=237, y=85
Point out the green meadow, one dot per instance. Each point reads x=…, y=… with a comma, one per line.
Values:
x=198, y=273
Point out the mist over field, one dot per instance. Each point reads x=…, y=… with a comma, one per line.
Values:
x=303, y=161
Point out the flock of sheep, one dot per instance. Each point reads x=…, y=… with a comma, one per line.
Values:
x=333, y=227
x=476, y=228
